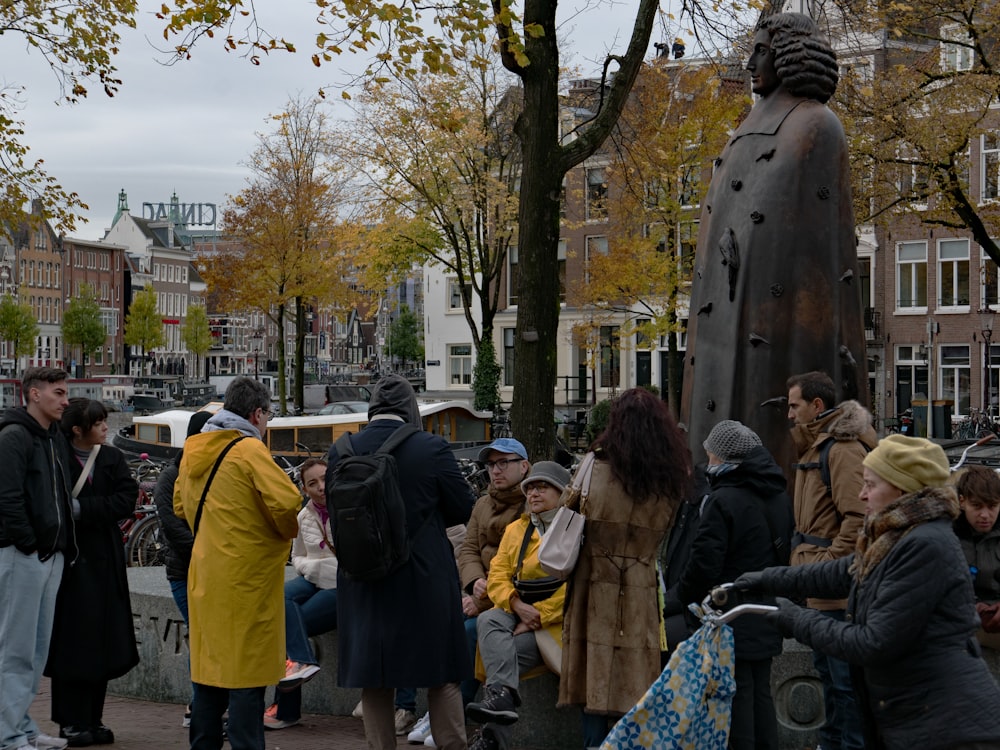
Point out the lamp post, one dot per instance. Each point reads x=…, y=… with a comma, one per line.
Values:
x=986, y=316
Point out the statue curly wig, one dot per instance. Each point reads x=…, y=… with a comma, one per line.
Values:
x=804, y=61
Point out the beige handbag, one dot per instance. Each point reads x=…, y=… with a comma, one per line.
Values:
x=560, y=545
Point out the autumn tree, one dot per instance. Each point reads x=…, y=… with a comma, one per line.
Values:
x=410, y=39
x=197, y=335
x=78, y=41
x=18, y=326
x=82, y=325
x=143, y=323
x=288, y=255
x=440, y=164
x=676, y=122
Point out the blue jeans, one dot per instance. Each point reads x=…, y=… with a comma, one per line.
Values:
x=470, y=686
x=842, y=730
x=28, y=589
x=179, y=590
x=309, y=611
x=246, y=717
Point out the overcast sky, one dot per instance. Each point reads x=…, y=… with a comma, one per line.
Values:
x=191, y=127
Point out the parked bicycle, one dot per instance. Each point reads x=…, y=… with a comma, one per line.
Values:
x=978, y=424
x=141, y=532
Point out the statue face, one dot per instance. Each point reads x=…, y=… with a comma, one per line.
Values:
x=763, y=78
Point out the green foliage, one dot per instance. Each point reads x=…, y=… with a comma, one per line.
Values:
x=197, y=335
x=597, y=420
x=486, y=377
x=143, y=323
x=82, y=325
x=405, y=336
x=18, y=325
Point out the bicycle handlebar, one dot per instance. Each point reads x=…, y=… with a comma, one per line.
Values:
x=982, y=441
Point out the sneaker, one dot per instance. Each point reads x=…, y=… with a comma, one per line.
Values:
x=271, y=720
x=421, y=730
x=296, y=674
x=186, y=721
x=404, y=721
x=357, y=713
x=484, y=739
x=429, y=742
x=498, y=706
x=72, y=737
x=47, y=742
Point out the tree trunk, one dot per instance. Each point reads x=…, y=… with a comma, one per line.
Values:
x=300, y=341
x=537, y=244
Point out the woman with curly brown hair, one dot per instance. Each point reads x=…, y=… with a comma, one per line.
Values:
x=611, y=638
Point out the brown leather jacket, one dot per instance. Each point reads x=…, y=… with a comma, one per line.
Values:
x=837, y=515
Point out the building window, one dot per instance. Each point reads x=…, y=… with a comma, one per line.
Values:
x=911, y=275
x=455, y=294
x=689, y=181
x=953, y=273
x=595, y=246
x=610, y=357
x=957, y=53
x=508, y=356
x=597, y=195
x=460, y=364
x=989, y=155
x=955, y=377
x=989, y=277
x=513, y=277
x=911, y=376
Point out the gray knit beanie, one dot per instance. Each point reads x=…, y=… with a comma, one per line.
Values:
x=731, y=441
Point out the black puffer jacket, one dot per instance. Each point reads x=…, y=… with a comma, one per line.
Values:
x=35, y=511
x=176, y=533
x=909, y=637
x=734, y=537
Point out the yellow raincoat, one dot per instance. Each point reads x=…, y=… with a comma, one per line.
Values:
x=236, y=579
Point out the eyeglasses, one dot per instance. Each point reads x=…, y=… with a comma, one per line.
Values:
x=538, y=487
x=502, y=463
x=266, y=413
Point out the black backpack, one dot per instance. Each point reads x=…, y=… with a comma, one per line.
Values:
x=367, y=513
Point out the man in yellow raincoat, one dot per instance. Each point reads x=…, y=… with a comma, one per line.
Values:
x=242, y=528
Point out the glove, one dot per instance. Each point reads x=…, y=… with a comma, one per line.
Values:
x=989, y=616
x=784, y=618
x=751, y=583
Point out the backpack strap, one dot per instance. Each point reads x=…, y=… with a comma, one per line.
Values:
x=204, y=492
x=823, y=464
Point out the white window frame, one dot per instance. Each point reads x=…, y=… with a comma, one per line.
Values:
x=460, y=364
x=953, y=252
x=594, y=243
x=914, y=261
x=955, y=57
x=596, y=208
x=950, y=376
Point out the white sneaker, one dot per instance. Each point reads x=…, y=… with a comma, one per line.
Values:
x=44, y=741
x=429, y=742
x=404, y=721
x=357, y=713
x=421, y=730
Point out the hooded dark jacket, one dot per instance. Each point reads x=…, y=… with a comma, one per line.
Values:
x=35, y=513
x=734, y=537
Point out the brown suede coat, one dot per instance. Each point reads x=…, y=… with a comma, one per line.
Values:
x=837, y=515
x=491, y=515
x=611, y=644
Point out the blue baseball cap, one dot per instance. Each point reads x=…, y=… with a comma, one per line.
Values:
x=504, y=445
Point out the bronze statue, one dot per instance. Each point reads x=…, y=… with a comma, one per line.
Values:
x=775, y=288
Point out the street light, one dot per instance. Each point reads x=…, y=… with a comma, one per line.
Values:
x=986, y=316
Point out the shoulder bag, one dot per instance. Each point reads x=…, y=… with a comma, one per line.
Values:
x=86, y=471
x=533, y=590
x=560, y=545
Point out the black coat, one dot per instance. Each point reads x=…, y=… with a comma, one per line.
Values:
x=734, y=537
x=177, y=536
x=34, y=487
x=909, y=636
x=93, y=636
x=406, y=630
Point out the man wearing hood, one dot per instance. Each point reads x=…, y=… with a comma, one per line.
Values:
x=242, y=510
x=831, y=441
x=746, y=522
x=36, y=531
x=406, y=630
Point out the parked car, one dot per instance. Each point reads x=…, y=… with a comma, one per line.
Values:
x=345, y=407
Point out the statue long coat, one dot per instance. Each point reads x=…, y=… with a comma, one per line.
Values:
x=775, y=289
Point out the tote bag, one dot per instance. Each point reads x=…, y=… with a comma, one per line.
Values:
x=560, y=545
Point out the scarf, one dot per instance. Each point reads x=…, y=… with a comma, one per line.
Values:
x=324, y=518
x=884, y=529
x=227, y=420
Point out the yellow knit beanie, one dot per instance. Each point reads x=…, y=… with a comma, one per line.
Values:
x=909, y=463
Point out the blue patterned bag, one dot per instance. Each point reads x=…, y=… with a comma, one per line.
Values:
x=690, y=704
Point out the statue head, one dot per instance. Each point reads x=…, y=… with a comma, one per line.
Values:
x=804, y=61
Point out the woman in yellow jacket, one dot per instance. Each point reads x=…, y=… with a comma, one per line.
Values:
x=528, y=609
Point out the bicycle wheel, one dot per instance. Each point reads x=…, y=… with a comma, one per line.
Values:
x=144, y=548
